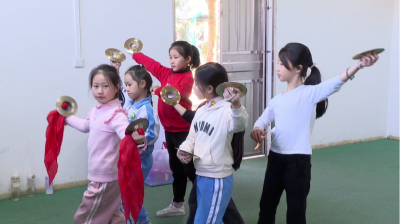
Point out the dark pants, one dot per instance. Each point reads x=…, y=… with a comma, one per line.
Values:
x=180, y=172
x=291, y=173
x=231, y=216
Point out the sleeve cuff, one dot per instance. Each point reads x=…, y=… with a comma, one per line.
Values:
x=238, y=112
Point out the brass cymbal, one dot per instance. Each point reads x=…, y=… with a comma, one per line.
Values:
x=66, y=106
x=221, y=87
x=115, y=55
x=133, y=45
x=377, y=51
x=170, y=95
x=135, y=125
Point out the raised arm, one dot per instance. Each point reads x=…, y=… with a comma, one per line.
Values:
x=321, y=91
x=154, y=67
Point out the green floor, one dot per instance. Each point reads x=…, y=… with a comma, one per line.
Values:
x=356, y=183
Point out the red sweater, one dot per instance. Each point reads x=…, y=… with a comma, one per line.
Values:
x=183, y=82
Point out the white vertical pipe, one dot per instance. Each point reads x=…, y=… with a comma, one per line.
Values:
x=78, y=60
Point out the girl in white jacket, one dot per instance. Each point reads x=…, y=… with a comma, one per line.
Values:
x=209, y=143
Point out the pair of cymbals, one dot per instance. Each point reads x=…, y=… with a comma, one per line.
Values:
x=170, y=95
x=66, y=106
x=132, y=45
x=115, y=55
x=360, y=55
x=135, y=125
x=221, y=88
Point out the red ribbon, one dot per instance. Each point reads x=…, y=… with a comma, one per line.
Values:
x=130, y=177
x=54, y=137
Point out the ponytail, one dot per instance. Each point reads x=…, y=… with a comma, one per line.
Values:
x=314, y=79
x=238, y=149
x=298, y=54
x=195, y=62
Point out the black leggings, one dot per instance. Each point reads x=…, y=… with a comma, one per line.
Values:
x=291, y=173
x=180, y=172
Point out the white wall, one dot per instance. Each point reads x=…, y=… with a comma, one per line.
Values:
x=36, y=52
x=393, y=102
x=335, y=31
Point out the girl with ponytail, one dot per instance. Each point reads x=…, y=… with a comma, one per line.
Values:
x=183, y=57
x=294, y=113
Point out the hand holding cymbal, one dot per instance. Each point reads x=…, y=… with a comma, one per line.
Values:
x=135, y=125
x=258, y=144
x=231, y=85
x=376, y=51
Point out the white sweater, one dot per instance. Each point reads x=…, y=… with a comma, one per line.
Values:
x=294, y=116
x=210, y=138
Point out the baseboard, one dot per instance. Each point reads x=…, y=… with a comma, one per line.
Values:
x=55, y=187
x=393, y=137
x=347, y=142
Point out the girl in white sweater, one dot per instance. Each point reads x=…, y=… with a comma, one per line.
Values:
x=209, y=143
x=294, y=113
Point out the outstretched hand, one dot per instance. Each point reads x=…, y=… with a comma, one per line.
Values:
x=369, y=59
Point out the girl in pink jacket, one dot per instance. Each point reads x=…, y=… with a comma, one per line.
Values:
x=106, y=124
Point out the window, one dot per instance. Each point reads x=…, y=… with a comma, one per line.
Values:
x=198, y=22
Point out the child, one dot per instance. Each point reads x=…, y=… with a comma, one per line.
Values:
x=232, y=215
x=209, y=140
x=294, y=112
x=106, y=123
x=183, y=57
x=138, y=83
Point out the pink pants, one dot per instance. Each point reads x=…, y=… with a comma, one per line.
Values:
x=100, y=204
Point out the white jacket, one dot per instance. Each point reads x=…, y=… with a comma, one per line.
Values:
x=210, y=137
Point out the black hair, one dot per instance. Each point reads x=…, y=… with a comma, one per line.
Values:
x=139, y=73
x=299, y=54
x=214, y=74
x=210, y=74
x=110, y=73
x=185, y=49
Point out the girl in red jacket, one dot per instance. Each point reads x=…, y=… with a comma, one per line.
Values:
x=182, y=57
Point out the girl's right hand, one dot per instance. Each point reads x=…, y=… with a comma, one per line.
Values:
x=257, y=134
x=153, y=89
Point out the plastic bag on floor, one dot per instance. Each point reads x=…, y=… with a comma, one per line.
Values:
x=160, y=173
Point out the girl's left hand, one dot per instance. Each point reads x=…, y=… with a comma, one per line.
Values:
x=139, y=139
x=235, y=100
x=115, y=64
x=369, y=59
x=184, y=157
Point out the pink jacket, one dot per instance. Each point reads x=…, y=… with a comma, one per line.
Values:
x=106, y=124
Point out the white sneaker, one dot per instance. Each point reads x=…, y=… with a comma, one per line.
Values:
x=171, y=210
